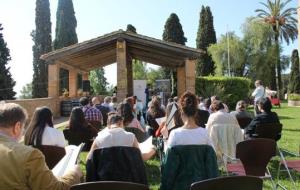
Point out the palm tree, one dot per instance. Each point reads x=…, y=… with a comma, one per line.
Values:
x=284, y=25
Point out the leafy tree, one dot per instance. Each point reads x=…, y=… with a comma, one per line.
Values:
x=65, y=32
x=284, y=24
x=139, y=70
x=294, y=85
x=153, y=75
x=173, y=33
x=26, y=92
x=6, y=82
x=206, y=36
x=238, y=55
x=131, y=28
x=98, y=81
x=42, y=44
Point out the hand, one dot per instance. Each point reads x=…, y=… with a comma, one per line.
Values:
x=76, y=169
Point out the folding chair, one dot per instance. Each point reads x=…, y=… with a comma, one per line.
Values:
x=53, y=154
x=289, y=165
x=109, y=185
x=268, y=131
x=263, y=149
x=231, y=182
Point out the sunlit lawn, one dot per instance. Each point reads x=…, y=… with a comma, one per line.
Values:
x=289, y=117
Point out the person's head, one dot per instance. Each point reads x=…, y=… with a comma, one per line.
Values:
x=155, y=106
x=12, y=119
x=200, y=99
x=95, y=100
x=216, y=106
x=213, y=98
x=114, y=99
x=207, y=103
x=107, y=99
x=114, y=120
x=125, y=110
x=241, y=106
x=175, y=99
x=264, y=105
x=42, y=117
x=84, y=101
x=130, y=101
x=188, y=105
x=77, y=120
x=258, y=83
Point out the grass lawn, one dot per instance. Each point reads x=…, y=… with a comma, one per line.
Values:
x=289, y=117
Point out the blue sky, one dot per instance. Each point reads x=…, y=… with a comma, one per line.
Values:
x=98, y=17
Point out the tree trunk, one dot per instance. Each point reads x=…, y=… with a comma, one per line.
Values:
x=278, y=71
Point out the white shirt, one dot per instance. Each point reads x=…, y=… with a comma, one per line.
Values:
x=183, y=136
x=53, y=137
x=114, y=137
x=258, y=93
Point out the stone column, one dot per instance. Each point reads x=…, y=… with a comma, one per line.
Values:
x=190, y=75
x=122, y=83
x=180, y=81
x=53, y=80
x=186, y=77
x=72, y=83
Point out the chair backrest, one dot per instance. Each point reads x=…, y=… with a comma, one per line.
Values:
x=109, y=185
x=53, y=154
x=268, y=131
x=116, y=164
x=255, y=154
x=244, y=121
x=186, y=164
x=232, y=183
x=140, y=136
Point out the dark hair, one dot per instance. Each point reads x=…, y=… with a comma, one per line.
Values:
x=114, y=99
x=265, y=104
x=77, y=120
x=241, y=105
x=113, y=118
x=155, y=107
x=125, y=110
x=10, y=114
x=41, y=118
x=217, y=105
x=207, y=103
x=84, y=101
x=189, y=104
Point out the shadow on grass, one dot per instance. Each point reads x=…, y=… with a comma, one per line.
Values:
x=285, y=117
x=292, y=130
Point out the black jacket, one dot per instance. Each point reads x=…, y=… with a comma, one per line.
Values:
x=201, y=117
x=116, y=164
x=263, y=118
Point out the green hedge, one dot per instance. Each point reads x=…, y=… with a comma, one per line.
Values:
x=294, y=97
x=229, y=89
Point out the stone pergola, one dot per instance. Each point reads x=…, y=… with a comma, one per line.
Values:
x=120, y=47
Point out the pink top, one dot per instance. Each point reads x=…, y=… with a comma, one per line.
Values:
x=135, y=124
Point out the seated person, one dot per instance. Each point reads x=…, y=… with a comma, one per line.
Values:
x=41, y=130
x=241, y=110
x=266, y=116
x=190, y=133
x=24, y=167
x=106, y=103
x=125, y=110
x=103, y=109
x=224, y=130
x=155, y=111
x=115, y=135
x=91, y=114
x=214, y=98
x=80, y=129
x=172, y=121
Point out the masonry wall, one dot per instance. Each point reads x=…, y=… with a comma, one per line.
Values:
x=31, y=104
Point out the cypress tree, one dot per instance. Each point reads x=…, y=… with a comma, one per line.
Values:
x=173, y=33
x=42, y=44
x=131, y=28
x=6, y=82
x=294, y=85
x=206, y=36
x=65, y=32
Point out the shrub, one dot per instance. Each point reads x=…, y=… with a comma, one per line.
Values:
x=229, y=89
x=294, y=97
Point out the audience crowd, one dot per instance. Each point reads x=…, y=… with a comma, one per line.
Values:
x=185, y=121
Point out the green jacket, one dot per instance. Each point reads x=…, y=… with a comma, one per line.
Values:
x=186, y=164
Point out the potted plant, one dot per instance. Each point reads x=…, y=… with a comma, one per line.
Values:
x=65, y=93
x=294, y=84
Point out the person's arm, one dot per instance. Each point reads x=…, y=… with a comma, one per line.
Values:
x=254, y=92
x=39, y=176
x=93, y=147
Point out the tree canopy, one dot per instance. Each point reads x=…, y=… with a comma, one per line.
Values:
x=42, y=44
x=6, y=81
